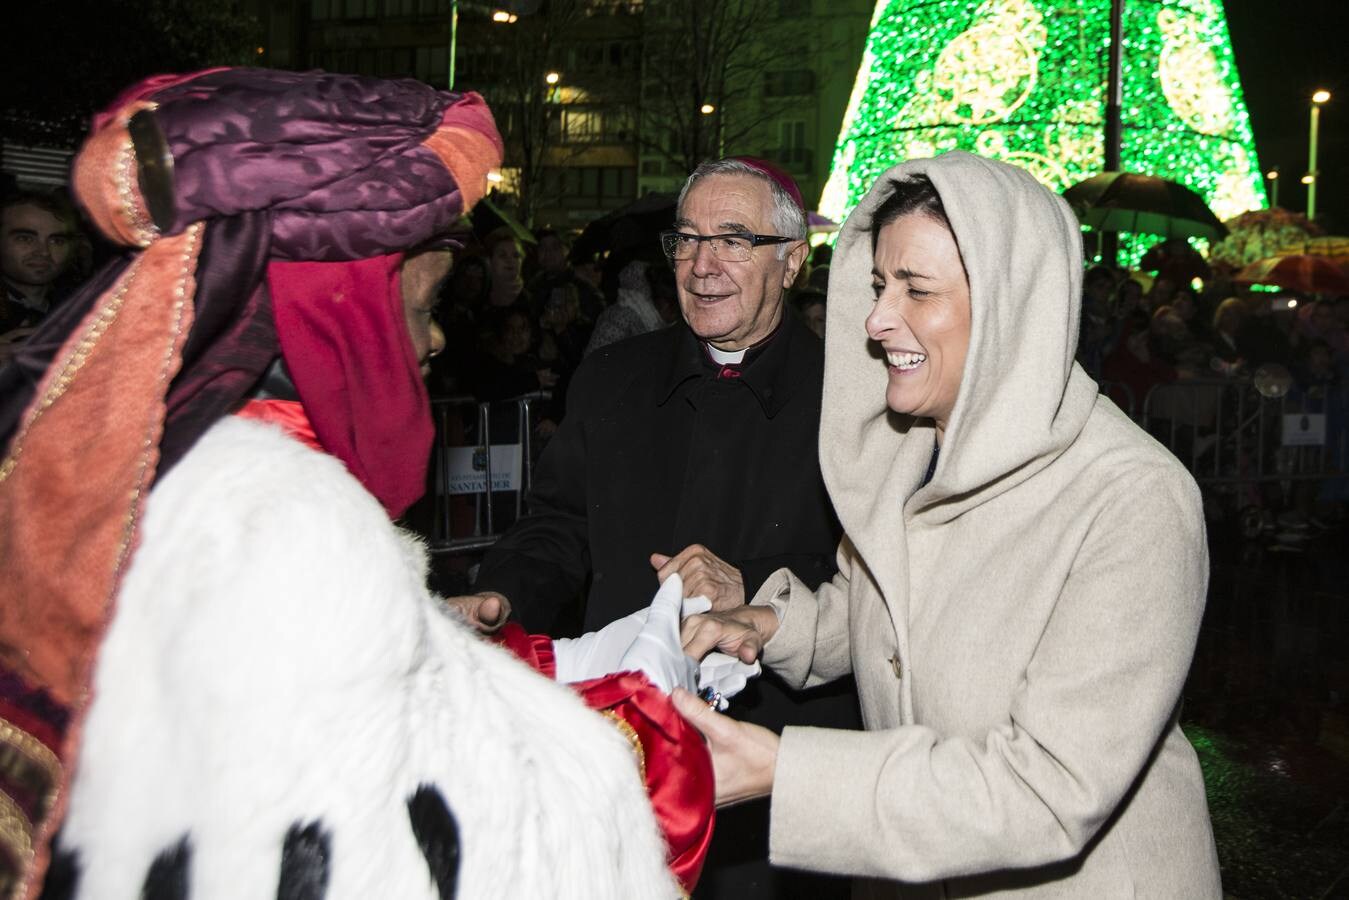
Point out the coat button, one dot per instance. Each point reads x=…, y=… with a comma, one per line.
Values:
x=897, y=667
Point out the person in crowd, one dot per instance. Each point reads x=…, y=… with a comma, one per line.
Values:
x=690, y=450
x=810, y=306
x=821, y=256
x=550, y=255
x=38, y=235
x=1317, y=322
x=461, y=314
x=467, y=286
x=1340, y=308
x=1128, y=301
x=1096, y=330
x=220, y=666
x=647, y=301
x=505, y=261
x=588, y=271
x=1227, y=319
x=1019, y=590
x=508, y=366
x=554, y=274
x=1145, y=360
x=1266, y=332
x=819, y=279
x=562, y=332
x=1162, y=293
x=1185, y=304
x=1317, y=366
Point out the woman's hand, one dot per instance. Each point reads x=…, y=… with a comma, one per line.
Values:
x=744, y=756
x=740, y=632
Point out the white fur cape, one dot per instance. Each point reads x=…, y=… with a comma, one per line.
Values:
x=276, y=661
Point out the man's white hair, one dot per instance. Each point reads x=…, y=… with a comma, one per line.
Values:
x=789, y=220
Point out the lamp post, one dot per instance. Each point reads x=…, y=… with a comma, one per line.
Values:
x=1114, y=116
x=1273, y=176
x=708, y=109
x=1318, y=98
x=454, y=43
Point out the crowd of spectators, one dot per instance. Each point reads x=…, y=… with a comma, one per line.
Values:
x=1139, y=331
x=1141, y=334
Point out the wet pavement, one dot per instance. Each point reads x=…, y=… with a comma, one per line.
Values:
x=1267, y=708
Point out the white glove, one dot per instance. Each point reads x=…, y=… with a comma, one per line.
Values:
x=657, y=651
x=721, y=677
x=604, y=652
x=596, y=653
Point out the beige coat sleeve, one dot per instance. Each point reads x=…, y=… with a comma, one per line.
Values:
x=1096, y=703
x=811, y=646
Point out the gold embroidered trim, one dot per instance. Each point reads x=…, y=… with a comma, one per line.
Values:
x=36, y=751
x=625, y=728
x=143, y=228
x=150, y=445
x=16, y=832
x=72, y=364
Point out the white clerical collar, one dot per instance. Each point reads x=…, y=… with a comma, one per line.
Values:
x=725, y=357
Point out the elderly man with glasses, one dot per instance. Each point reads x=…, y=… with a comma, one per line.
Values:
x=692, y=449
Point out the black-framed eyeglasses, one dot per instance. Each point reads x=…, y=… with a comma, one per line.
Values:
x=732, y=247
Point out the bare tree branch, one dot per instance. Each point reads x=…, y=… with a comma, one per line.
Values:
x=711, y=53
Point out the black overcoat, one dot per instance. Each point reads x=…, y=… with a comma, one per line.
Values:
x=656, y=452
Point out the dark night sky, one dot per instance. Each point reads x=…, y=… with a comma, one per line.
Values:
x=1285, y=49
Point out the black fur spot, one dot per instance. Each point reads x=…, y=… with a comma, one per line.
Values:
x=63, y=875
x=437, y=834
x=304, y=863
x=167, y=878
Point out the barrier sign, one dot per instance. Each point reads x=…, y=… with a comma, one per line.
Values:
x=468, y=468
x=1304, y=430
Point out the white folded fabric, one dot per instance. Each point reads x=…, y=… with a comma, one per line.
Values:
x=648, y=641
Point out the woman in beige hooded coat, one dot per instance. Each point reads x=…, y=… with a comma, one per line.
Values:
x=1019, y=609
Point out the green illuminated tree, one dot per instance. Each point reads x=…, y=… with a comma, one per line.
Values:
x=1024, y=81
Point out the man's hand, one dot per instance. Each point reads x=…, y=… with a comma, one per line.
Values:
x=740, y=632
x=486, y=612
x=705, y=575
x=744, y=756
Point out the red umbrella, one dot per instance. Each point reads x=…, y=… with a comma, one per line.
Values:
x=1298, y=272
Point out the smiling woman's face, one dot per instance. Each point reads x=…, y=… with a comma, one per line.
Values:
x=921, y=318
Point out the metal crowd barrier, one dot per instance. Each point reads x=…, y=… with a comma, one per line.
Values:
x=475, y=474
x=1226, y=432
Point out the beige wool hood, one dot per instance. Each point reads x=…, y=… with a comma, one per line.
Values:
x=1022, y=398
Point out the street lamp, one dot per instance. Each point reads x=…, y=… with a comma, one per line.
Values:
x=552, y=78
x=707, y=109
x=503, y=17
x=1319, y=97
x=1273, y=176
x=454, y=45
